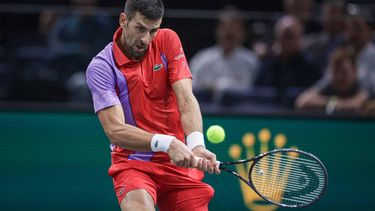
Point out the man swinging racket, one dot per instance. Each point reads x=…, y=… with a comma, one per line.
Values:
x=142, y=93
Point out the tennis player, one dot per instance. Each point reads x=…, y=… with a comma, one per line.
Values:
x=142, y=92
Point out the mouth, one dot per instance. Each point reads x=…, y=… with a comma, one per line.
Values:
x=140, y=47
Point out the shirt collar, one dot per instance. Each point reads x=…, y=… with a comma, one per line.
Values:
x=120, y=57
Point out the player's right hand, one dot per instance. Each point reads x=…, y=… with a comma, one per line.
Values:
x=181, y=155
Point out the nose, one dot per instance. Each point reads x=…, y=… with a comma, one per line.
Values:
x=146, y=38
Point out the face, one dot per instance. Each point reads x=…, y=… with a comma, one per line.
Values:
x=137, y=34
x=290, y=40
x=358, y=31
x=332, y=19
x=299, y=8
x=230, y=33
x=343, y=75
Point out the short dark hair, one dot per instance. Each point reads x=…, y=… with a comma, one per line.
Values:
x=232, y=12
x=151, y=9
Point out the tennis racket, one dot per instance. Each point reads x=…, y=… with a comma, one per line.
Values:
x=284, y=177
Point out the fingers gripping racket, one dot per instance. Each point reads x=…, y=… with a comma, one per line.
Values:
x=284, y=177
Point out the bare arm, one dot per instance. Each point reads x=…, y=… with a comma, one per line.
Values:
x=123, y=135
x=129, y=137
x=353, y=103
x=311, y=99
x=191, y=119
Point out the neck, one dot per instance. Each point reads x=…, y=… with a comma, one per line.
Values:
x=228, y=50
x=121, y=44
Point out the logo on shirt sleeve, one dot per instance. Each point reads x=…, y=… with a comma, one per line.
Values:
x=180, y=55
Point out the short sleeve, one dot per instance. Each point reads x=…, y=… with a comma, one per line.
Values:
x=101, y=82
x=178, y=67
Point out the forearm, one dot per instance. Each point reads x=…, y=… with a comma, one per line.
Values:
x=127, y=136
x=311, y=98
x=130, y=137
x=318, y=101
x=355, y=102
x=188, y=106
x=191, y=117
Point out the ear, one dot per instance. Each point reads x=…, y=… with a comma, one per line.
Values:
x=123, y=20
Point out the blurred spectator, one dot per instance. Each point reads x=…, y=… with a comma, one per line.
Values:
x=304, y=11
x=369, y=108
x=75, y=39
x=4, y=69
x=30, y=60
x=287, y=70
x=73, y=33
x=228, y=65
x=359, y=34
x=47, y=20
x=343, y=91
x=260, y=38
x=321, y=45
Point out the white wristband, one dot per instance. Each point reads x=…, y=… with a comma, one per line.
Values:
x=161, y=143
x=195, y=139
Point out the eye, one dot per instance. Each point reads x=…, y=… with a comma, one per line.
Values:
x=140, y=29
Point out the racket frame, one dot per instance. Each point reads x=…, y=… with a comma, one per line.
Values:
x=258, y=157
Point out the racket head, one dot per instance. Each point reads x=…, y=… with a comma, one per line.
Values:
x=288, y=177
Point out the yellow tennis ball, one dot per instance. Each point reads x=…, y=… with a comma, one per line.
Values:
x=215, y=134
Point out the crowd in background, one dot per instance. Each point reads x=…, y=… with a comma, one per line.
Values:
x=312, y=56
x=301, y=66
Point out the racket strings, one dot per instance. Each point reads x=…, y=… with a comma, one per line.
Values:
x=291, y=178
x=285, y=161
x=275, y=186
x=278, y=187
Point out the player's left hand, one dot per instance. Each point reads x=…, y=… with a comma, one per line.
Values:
x=208, y=162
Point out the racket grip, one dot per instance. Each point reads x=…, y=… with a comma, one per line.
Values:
x=199, y=158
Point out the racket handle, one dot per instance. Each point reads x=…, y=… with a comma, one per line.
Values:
x=199, y=158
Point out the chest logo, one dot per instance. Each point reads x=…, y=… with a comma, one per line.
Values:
x=157, y=67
